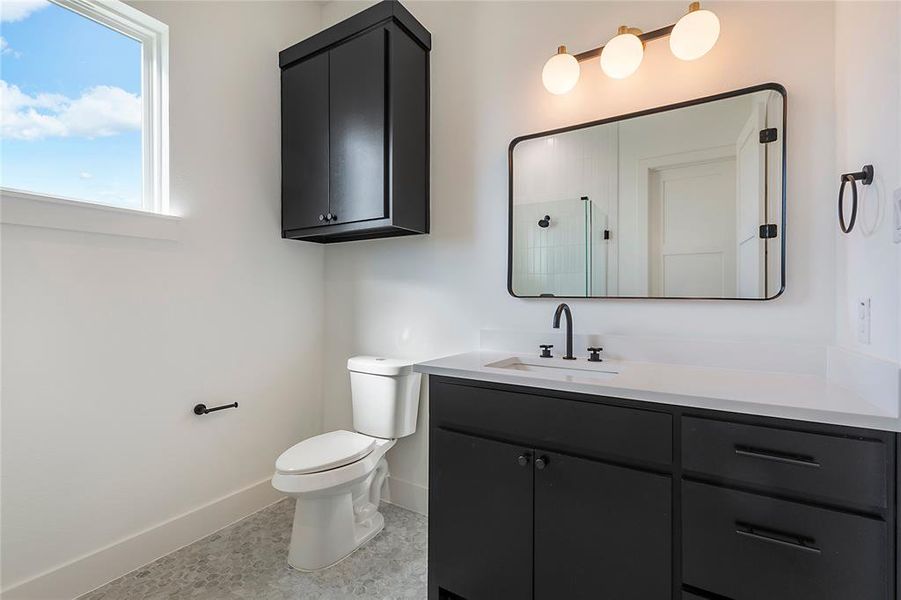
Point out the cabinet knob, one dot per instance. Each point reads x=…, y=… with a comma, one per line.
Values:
x=329, y=216
x=541, y=462
x=322, y=217
x=523, y=460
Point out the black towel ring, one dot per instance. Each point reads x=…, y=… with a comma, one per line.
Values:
x=865, y=176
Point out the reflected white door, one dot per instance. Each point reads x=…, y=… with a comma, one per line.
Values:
x=692, y=229
x=750, y=182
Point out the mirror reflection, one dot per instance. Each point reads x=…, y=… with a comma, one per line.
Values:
x=686, y=202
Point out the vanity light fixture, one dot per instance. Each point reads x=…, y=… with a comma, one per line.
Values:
x=561, y=72
x=695, y=33
x=622, y=55
x=691, y=37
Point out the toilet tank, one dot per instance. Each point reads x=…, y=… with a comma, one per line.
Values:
x=385, y=395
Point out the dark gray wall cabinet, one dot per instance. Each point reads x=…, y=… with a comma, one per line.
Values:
x=543, y=495
x=355, y=129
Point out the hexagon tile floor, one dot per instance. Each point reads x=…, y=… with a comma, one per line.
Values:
x=247, y=561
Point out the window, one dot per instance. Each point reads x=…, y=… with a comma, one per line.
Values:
x=84, y=103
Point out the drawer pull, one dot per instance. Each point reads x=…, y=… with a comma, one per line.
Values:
x=788, y=540
x=788, y=459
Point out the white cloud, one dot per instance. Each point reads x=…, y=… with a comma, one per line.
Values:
x=5, y=48
x=85, y=175
x=100, y=111
x=17, y=10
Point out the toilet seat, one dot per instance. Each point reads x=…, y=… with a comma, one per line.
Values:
x=324, y=452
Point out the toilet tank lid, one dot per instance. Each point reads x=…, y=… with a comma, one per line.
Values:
x=379, y=365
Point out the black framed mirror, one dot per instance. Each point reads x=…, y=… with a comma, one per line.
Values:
x=680, y=201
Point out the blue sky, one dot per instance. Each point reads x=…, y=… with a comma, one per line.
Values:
x=70, y=121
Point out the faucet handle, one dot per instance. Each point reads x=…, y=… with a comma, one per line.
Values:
x=595, y=354
x=546, y=350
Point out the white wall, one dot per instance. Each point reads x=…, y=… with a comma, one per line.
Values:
x=868, y=131
x=109, y=341
x=427, y=296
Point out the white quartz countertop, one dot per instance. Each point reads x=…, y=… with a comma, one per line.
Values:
x=783, y=395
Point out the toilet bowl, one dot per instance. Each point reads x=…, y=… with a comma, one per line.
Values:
x=337, y=477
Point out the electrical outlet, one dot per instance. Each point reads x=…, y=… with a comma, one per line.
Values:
x=897, y=211
x=863, y=320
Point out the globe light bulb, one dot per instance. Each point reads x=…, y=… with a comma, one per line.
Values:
x=561, y=72
x=622, y=55
x=695, y=33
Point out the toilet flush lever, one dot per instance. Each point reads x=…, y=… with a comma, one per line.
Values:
x=201, y=409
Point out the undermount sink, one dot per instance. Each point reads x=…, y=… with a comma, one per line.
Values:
x=579, y=370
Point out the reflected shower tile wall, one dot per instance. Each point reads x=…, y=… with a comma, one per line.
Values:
x=555, y=255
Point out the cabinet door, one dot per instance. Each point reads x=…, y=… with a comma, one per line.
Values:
x=601, y=531
x=480, y=518
x=357, y=128
x=305, y=141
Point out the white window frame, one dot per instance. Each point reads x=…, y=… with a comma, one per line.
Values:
x=154, y=38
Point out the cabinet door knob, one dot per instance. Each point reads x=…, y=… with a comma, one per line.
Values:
x=322, y=217
x=523, y=460
x=541, y=462
x=329, y=216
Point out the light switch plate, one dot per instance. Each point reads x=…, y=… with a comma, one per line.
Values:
x=863, y=320
x=897, y=221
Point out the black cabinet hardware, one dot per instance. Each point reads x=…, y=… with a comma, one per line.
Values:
x=788, y=540
x=595, y=355
x=864, y=176
x=546, y=350
x=355, y=129
x=800, y=461
x=523, y=460
x=201, y=409
x=541, y=462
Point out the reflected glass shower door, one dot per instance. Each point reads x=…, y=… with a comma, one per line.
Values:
x=596, y=245
x=552, y=260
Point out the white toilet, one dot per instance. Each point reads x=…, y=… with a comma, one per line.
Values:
x=337, y=477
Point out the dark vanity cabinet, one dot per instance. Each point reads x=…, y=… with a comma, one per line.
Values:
x=355, y=129
x=545, y=495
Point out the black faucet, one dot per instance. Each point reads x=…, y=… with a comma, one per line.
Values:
x=564, y=309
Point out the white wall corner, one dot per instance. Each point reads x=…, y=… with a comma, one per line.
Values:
x=874, y=380
x=406, y=494
x=93, y=570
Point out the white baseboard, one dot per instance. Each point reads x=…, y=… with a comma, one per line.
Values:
x=93, y=570
x=411, y=496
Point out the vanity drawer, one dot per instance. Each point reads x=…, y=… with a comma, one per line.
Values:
x=746, y=547
x=830, y=468
x=584, y=428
